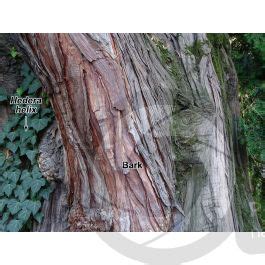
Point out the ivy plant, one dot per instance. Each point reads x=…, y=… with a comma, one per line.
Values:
x=22, y=186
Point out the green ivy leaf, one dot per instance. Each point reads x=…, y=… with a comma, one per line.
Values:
x=14, y=120
x=17, y=161
x=31, y=154
x=24, y=135
x=39, y=124
x=23, y=149
x=12, y=136
x=14, y=175
x=5, y=217
x=3, y=203
x=13, y=206
x=36, y=174
x=45, y=111
x=2, y=159
x=36, y=185
x=14, y=225
x=26, y=183
x=27, y=80
x=33, y=206
x=20, y=193
x=25, y=173
x=2, y=137
x=3, y=98
x=34, y=86
x=1, y=189
x=8, y=188
x=24, y=215
x=25, y=69
x=38, y=217
x=7, y=127
x=45, y=193
x=12, y=146
x=6, y=175
x=33, y=140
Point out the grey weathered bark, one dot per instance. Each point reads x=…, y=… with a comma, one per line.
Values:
x=208, y=144
x=129, y=97
x=51, y=163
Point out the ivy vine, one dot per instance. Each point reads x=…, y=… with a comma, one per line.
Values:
x=22, y=186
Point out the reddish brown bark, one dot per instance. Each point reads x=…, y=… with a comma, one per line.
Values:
x=109, y=106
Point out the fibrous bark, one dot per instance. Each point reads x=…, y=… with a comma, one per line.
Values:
x=52, y=165
x=129, y=97
x=108, y=113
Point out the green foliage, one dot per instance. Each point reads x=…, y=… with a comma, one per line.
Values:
x=248, y=51
x=165, y=55
x=167, y=59
x=13, y=52
x=196, y=49
x=219, y=41
x=39, y=124
x=22, y=187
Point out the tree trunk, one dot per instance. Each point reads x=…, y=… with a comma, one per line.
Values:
x=151, y=99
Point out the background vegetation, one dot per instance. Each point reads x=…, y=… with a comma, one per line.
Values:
x=248, y=53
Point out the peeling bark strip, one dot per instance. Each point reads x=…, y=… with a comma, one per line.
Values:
x=111, y=99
